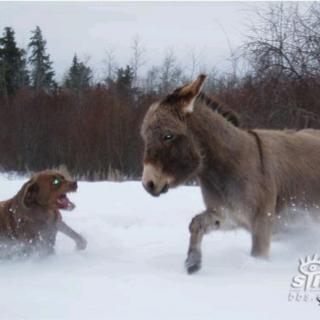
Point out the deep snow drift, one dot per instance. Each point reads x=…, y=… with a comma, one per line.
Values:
x=133, y=266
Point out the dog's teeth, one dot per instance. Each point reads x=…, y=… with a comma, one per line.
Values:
x=12, y=210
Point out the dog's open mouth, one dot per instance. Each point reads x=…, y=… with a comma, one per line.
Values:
x=64, y=203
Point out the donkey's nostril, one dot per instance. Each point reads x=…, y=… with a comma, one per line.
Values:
x=165, y=188
x=150, y=186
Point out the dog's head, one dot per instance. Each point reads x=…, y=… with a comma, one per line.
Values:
x=48, y=190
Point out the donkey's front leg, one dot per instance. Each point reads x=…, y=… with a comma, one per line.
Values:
x=200, y=225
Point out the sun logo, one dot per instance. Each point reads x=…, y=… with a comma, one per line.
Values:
x=309, y=278
x=310, y=266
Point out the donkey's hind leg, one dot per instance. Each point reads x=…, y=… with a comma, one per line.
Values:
x=200, y=225
x=262, y=233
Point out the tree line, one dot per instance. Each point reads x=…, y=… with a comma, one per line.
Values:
x=92, y=127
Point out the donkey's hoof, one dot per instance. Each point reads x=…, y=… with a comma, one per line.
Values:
x=194, y=268
x=193, y=262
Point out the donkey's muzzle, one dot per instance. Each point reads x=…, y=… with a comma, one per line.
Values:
x=151, y=188
x=154, y=180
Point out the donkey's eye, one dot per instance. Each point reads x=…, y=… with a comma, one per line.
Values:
x=56, y=182
x=168, y=136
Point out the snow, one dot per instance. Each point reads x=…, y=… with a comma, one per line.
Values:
x=133, y=266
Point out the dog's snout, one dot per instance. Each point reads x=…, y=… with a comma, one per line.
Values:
x=74, y=185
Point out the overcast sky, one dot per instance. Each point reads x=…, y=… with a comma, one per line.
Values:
x=90, y=28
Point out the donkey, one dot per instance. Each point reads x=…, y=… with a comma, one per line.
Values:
x=248, y=178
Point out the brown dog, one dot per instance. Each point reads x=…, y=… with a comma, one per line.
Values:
x=31, y=219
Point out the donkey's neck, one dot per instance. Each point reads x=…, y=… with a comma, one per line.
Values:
x=222, y=146
x=218, y=139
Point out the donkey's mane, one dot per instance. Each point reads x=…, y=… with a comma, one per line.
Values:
x=217, y=106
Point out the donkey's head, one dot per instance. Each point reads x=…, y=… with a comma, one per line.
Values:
x=171, y=155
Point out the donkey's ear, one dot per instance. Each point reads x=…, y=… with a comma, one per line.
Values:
x=30, y=193
x=190, y=92
x=194, y=87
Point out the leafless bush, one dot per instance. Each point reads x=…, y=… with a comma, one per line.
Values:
x=97, y=137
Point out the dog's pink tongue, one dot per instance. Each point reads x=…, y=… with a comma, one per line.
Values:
x=65, y=204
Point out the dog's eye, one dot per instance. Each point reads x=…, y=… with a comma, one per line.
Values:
x=56, y=182
x=168, y=137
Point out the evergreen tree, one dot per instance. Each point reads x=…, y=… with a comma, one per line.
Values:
x=79, y=76
x=13, y=71
x=42, y=74
x=125, y=79
x=124, y=86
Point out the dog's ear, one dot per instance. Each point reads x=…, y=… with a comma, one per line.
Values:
x=30, y=193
